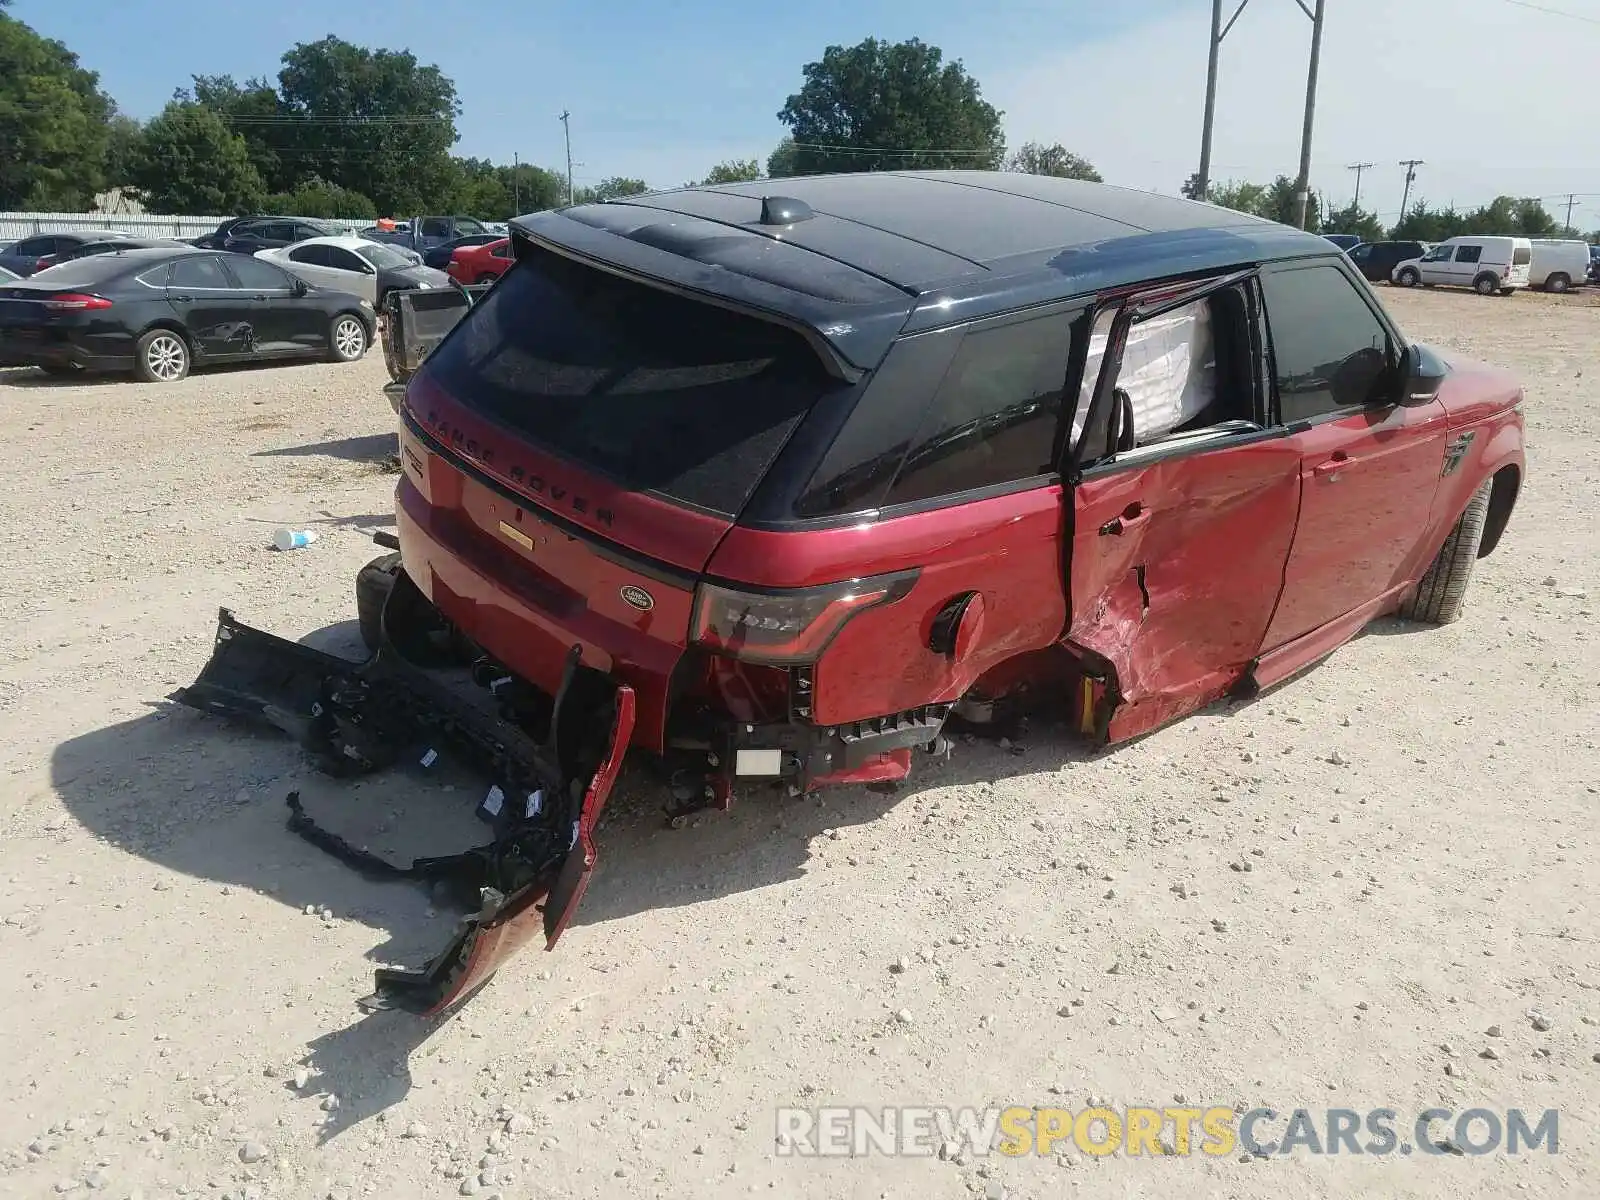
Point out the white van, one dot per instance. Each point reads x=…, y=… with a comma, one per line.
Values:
x=1485, y=264
x=1559, y=265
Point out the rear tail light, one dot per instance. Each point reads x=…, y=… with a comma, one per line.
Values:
x=46, y=261
x=75, y=301
x=790, y=625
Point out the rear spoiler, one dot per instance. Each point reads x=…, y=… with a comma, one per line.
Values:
x=417, y=319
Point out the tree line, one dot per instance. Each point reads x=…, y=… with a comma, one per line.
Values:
x=352, y=132
x=1506, y=215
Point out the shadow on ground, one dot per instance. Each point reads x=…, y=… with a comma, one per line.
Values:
x=375, y=448
x=202, y=796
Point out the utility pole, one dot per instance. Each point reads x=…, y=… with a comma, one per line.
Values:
x=1411, y=165
x=1358, y=168
x=1572, y=198
x=516, y=183
x=1302, y=193
x=567, y=129
x=1218, y=32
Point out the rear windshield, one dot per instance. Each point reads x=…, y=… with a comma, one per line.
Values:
x=93, y=269
x=659, y=393
x=1521, y=257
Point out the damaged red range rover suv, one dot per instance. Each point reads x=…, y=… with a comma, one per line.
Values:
x=767, y=487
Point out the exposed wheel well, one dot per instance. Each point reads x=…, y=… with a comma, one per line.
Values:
x=1507, y=482
x=171, y=326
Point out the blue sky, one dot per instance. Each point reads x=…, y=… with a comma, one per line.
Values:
x=663, y=91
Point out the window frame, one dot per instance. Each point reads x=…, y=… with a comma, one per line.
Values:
x=334, y=263
x=285, y=284
x=1397, y=344
x=1474, y=248
x=215, y=259
x=1161, y=297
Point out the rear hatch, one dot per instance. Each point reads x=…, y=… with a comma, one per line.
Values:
x=574, y=452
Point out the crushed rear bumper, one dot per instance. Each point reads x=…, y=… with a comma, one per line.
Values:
x=355, y=718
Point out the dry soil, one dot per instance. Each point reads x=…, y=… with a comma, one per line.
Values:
x=1223, y=914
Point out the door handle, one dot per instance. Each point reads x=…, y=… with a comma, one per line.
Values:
x=185, y=299
x=1330, y=469
x=1134, y=515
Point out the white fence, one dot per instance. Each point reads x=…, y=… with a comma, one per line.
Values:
x=17, y=225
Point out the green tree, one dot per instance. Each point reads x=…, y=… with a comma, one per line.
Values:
x=1274, y=201
x=189, y=162
x=254, y=112
x=372, y=121
x=884, y=106
x=319, y=198
x=533, y=189
x=1424, y=224
x=781, y=162
x=1034, y=158
x=610, y=189
x=1352, y=218
x=124, y=137
x=1240, y=196
x=53, y=124
x=734, y=170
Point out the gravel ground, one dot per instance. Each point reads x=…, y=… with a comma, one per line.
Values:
x=1220, y=912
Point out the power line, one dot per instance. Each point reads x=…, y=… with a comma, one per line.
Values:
x=1555, y=12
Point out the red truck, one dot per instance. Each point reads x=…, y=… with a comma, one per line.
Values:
x=775, y=488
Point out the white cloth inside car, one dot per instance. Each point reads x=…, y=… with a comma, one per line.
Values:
x=1169, y=370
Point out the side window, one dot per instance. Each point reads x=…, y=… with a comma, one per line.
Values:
x=466, y=225
x=156, y=277
x=1330, y=351
x=1438, y=254
x=313, y=256
x=203, y=272
x=35, y=247
x=501, y=251
x=993, y=420
x=343, y=260
x=302, y=232
x=1468, y=254
x=274, y=231
x=256, y=276
x=436, y=227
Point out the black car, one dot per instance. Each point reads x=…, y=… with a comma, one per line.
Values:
x=246, y=235
x=439, y=257
x=157, y=312
x=106, y=245
x=1377, y=260
x=44, y=249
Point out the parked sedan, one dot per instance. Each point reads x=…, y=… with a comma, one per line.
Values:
x=481, y=264
x=353, y=264
x=106, y=246
x=272, y=233
x=157, y=312
x=42, y=249
x=439, y=257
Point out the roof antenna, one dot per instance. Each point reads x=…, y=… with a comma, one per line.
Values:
x=784, y=210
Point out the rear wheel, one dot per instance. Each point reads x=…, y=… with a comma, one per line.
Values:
x=161, y=356
x=1408, y=278
x=1486, y=284
x=1442, y=590
x=374, y=582
x=1558, y=282
x=347, y=339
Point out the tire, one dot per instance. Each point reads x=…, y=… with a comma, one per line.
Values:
x=1444, y=587
x=162, y=356
x=1408, y=278
x=1486, y=284
x=347, y=338
x=374, y=582
x=1558, y=283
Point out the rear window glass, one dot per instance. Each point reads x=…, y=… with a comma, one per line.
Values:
x=657, y=392
x=1521, y=256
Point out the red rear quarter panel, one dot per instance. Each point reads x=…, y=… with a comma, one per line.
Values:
x=1008, y=548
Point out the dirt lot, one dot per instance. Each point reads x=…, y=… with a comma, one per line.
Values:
x=1224, y=915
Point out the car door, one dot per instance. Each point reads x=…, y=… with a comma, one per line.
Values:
x=1369, y=464
x=286, y=323
x=1435, y=265
x=349, y=272
x=1464, y=264
x=1179, y=531
x=219, y=317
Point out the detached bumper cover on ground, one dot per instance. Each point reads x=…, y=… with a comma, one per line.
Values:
x=356, y=718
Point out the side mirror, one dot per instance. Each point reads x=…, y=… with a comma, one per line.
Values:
x=300, y=287
x=1422, y=373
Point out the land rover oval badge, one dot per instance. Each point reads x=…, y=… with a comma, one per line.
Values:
x=638, y=597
